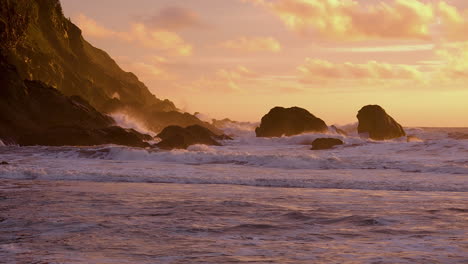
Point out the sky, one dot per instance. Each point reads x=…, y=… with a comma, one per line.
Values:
x=239, y=58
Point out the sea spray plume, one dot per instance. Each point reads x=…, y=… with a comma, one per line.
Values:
x=125, y=120
x=235, y=128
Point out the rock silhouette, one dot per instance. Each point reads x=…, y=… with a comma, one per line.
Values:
x=176, y=137
x=374, y=121
x=32, y=113
x=288, y=122
x=42, y=44
x=326, y=143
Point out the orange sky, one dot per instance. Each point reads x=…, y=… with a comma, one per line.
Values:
x=239, y=58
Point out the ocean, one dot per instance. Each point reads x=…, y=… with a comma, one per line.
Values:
x=253, y=200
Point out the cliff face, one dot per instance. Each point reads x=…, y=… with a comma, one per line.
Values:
x=32, y=113
x=44, y=45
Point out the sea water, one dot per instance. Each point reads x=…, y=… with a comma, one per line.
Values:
x=253, y=200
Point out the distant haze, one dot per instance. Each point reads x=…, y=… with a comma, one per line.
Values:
x=239, y=58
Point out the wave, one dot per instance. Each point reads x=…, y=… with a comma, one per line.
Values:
x=436, y=162
x=96, y=170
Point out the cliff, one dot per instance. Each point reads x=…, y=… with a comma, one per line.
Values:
x=43, y=45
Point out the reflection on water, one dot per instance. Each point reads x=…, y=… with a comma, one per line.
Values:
x=83, y=222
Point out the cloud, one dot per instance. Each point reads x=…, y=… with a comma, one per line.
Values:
x=253, y=44
x=162, y=40
x=353, y=20
x=377, y=49
x=315, y=70
x=453, y=22
x=175, y=18
x=455, y=61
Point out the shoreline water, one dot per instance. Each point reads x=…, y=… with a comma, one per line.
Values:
x=90, y=222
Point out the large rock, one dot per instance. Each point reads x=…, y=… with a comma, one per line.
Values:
x=282, y=121
x=176, y=137
x=326, y=143
x=377, y=124
x=79, y=136
x=32, y=113
x=46, y=46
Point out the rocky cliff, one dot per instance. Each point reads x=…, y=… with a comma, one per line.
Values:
x=43, y=45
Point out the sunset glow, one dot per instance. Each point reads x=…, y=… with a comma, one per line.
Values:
x=329, y=56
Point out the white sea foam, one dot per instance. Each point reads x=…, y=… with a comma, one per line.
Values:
x=436, y=162
x=126, y=121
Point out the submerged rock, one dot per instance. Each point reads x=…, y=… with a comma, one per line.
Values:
x=4, y=163
x=176, y=137
x=326, y=143
x=374, y=121
x=288, y=122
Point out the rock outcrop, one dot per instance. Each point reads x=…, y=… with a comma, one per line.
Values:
x=42, y=44
x=375, y=123
x=326, y=143
x=282, y=121
x=32, y=113
x=176, y=137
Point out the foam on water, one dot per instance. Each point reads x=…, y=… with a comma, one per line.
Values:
x=433, y=162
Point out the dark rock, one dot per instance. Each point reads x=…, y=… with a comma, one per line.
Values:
x=158, y=120
x=326, y=143
x=176, y=137
x=79, y=136
x=288, y=122
x=4, y=163
x=374, y=121
x=32, y=113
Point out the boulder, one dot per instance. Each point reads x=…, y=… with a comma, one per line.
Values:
x=377, y=124
x=326, y=143
x=282, y=121
x=176, y=137
x=4, y=163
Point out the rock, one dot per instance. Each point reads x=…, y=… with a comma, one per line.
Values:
x=176, y=137
x=80, y=136
x=288, y=122
x=326, y=143
x=4, y=163
x=32, y=113
x=42, y=44
x=374, y=121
